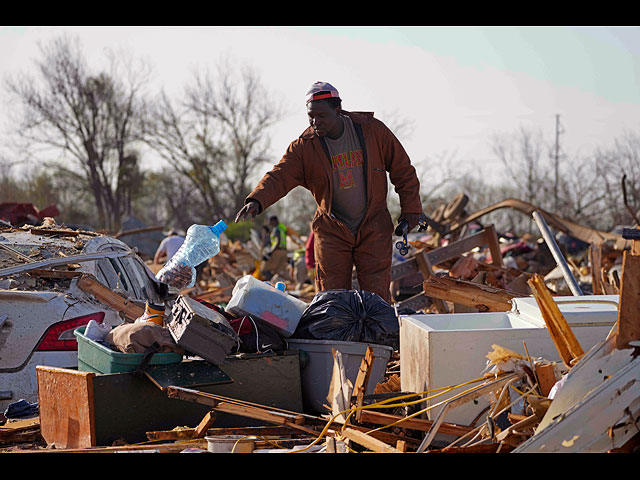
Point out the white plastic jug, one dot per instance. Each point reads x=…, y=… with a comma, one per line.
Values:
x=253, y=297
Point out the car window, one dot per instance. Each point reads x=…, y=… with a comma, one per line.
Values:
x=110, y=274
x=126, y=274
x=132, y=269
x=116, y=273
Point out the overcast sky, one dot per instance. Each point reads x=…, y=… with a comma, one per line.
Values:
x=458, y=85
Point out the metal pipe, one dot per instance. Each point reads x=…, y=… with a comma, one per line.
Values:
x=557, y=254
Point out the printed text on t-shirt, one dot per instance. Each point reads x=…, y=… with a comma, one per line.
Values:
x=343, y=164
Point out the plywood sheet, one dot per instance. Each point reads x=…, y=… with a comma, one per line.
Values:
x=65, y=399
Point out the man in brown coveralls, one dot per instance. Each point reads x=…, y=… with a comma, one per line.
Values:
x=343, y=159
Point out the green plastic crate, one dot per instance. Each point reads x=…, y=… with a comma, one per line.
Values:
x=94, y=357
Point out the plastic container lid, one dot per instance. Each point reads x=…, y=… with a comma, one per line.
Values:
x=219, y=227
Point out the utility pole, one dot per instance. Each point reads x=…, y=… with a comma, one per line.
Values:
x=556, y=158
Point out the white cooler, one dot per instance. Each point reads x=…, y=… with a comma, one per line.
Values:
x=449, y=349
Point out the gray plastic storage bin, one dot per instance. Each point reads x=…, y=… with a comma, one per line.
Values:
x=317, y=369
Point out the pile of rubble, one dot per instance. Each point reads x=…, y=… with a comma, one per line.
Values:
x=561, y=383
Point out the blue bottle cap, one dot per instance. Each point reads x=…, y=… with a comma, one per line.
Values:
x=281, y=286
x=219, y=227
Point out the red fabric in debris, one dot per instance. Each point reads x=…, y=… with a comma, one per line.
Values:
x=20, y=213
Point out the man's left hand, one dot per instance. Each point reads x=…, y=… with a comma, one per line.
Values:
x=412, y=219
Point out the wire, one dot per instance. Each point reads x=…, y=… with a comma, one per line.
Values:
x=386, y=404
x=431, y=394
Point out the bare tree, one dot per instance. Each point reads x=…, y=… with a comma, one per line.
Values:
x=217, y=137
x=581, y=194
x=521, y=154
x=89, y=117
x=613, y=163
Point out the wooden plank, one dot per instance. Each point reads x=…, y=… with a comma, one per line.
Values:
x=427, y=272
x=491, y=237
x=362, y=380
x=423, y=425
x=201, y=430
x=595, y=259
x=20, y=431
x=245, y=409
x=437, y=256
x=628, y=324
x=114, y=300
x=546, y=378
x=415, y=303
x=404, y=269
x=65, y=399
x=486, y=237
x=156, y=448
x=187, y=433
x=562, y=335
x=482, y=297
x=55, y=231
x=42, y=273
x=367, y=441
x=340, y=388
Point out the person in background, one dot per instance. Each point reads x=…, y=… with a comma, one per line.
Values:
x=276, y=259
x=266, y=237
x=168, y=247
x=309, y=259
x=345, y=160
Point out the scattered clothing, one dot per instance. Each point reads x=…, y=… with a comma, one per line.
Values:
x=21, y=409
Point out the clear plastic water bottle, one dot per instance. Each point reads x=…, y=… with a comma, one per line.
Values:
x=201, y=243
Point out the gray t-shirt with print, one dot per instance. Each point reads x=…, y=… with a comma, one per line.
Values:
x=349, y=188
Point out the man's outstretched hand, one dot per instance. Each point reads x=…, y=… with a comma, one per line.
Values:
x=249, y=211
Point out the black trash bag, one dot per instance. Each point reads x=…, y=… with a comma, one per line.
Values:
x=350, y=316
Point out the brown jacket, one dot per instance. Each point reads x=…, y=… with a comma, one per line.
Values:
x=306, y=163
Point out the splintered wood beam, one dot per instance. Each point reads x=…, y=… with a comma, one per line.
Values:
x=188, y=433
x=43, y=273
x=420, y=424
x=369, y=442
x=201, y=430
x=595, y=259
x=245, y=409
x=482, y=297
x=565, y=341
x=628, y=323
x=362, y=380
x=114, y=300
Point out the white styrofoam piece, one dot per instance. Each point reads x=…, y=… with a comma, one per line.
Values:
x=577, y=310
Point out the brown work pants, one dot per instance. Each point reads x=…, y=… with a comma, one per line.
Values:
x=337, y=251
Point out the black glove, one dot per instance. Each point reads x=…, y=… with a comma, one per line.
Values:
x=412, y=219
